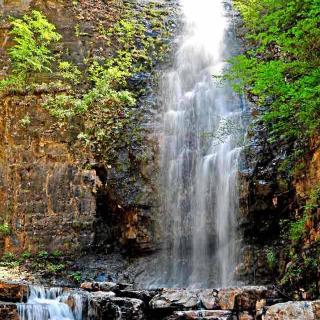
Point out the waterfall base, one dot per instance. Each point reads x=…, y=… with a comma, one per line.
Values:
x=97, y=302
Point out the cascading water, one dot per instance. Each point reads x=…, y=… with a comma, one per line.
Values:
x=50, y=304
x=199, y=154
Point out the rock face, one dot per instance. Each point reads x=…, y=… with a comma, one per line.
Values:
x=13, y=292
x=56, y=194
x=8, y=311
x=110, y=307
x=51, y=200
x=302, y=310
x=202, y=314
x=245, y=298
x=175, y=299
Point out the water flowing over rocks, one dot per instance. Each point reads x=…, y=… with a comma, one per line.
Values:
x=93, y=303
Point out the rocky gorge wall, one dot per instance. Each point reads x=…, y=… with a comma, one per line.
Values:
x=273, y=204
x=57, y=193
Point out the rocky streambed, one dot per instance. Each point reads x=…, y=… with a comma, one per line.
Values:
x=108, y=300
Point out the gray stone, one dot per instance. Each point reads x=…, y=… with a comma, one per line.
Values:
x=202, y=314
x=175, y=298
x=209, y=299
x=104, y=305
x=298, y=310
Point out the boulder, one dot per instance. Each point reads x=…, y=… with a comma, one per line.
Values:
x=13, y=292
x=144, y=295
x=252, y=297
x=104, y=305
x=209, y=299
x=227, y=297
x=201, y=315
x=175, y=299
x=245, y=315
x=246, y=298
x=297, y=310
x=99, y=286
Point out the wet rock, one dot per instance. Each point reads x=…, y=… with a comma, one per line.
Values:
x=98, y=296
x=107, y=286
x=226, y=298
x=202, y=314
x=249, y=296
x=175, y=299
x=260, y=304
x=301, y=310
x=110, y=307
x=99, y=286
x=209, y=299
x=245, y=298
x=87, y=286
x=13, y=292
x=245, y=316
x=144, y=295
x=8, y=311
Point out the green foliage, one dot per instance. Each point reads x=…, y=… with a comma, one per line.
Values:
x=282, y=66
x=97, y=100
x=31, y=53
x=25, y=255
x=76, y=276
x=33, y=35
x=108, y=102
x=297, y=229
x=25, y=121
x=69, y=72
x=4, y=229
x=271, y=258
x=9, y=260
x=55, y=268
x=57, y=253
x=43, y=254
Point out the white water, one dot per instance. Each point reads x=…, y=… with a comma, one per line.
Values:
x=50, y=304
x=199, y=155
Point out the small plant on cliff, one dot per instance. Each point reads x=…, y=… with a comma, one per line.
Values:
x=25, y=121
x=9, y=260
x=271, y=258
x=43, y=255
x=4, y=229
x=33, y=34
x=297, y=229
x=76, y=276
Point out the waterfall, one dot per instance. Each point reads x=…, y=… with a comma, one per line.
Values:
x=51, y=303
x=199, y=154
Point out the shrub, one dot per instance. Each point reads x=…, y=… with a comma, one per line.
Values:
x=297, y=229
x=271, y=258
x=76, y=276
x=33, y=35
x=4, y=229
x=43, y=254
x=281, y=67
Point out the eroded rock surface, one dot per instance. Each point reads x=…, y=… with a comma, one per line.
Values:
x=300, y=310
x=8, y=311
x=175, y=299
x=13, y=292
